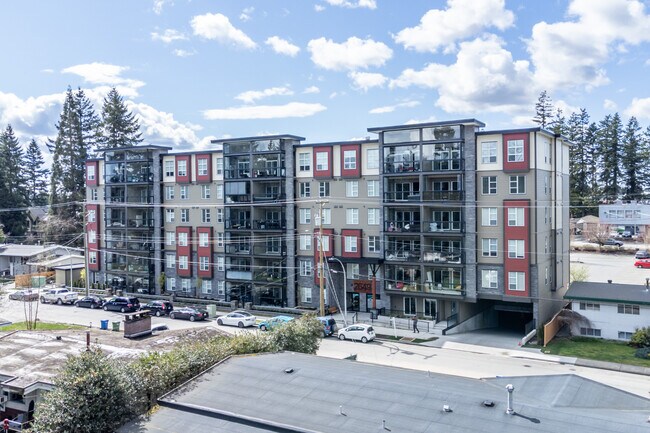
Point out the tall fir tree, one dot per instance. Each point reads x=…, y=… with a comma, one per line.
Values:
x=119, y=127
x=632, y=160
x=543, y=110
x=13, y=194
x=89, y=122
x=611, y=150
x=559, y=124
x=36, y=175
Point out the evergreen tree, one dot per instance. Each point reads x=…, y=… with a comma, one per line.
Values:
x=89, y=122
x=543, y=110
x=558, y=124
x=632, y=160
x=119, y=127
x=611, y=150
x=35, y=175
x=13, y=194
x=593, y=162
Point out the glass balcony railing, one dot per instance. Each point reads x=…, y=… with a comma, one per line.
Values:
x=268, y=197
x=402, y=226
x=450, y=164
x=444, y=256
x=239, y=248
x=271, y=224
x=443, y=195
x=238, y=224
x=270, y=250
x=238, y=198
x=236, y=173
x=402, y=167
x=239, y=275
x=271, y=276
x=269, y=172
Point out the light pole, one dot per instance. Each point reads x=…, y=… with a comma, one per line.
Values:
x=345, y=291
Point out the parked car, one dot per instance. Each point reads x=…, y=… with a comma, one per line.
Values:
x=626, y=235
x=642, y=263
x=59, y=296
x=237, y=318
x=90, y=302
x=188, y=313
x=24, y=295
x=202, y=309
x=642, y=254
x=613, y=242
x=158, y=307
x=122, y=304
x=329, y=325
x=359, y=332
x=273, y=322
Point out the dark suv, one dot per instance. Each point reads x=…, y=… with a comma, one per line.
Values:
x=122, y=304
x=329, y=325
x=159, y=308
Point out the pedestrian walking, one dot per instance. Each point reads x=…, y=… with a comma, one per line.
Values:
x=415, y=324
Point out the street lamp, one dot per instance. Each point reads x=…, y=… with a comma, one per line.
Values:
x=345, y=291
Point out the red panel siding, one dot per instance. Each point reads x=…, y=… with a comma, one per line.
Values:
x=204, y=251
x=517, y=233
x=205, y=178
x=323, y=174
x=356, y=233
x=95, y=181
x=516, y=166
x=90, y=226
x=184, y=251
x=356, y=171
x=188, y=176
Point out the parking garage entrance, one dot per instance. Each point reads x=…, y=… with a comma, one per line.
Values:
x=515, y=317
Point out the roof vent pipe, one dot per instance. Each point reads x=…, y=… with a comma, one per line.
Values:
x=510, y=389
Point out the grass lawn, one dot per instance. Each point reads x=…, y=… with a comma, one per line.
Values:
x=595, y=348
x=41, y=326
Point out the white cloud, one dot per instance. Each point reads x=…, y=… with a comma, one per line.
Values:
x=47, y=71
x=246, y=13
x=251, y=96
x=391, y=108
x=159, y=127
x=168, y=36
x=31, y=116
x=426, y=120
x=352, y=54
x=282, y=46
x=484, y=77
x=366, y=80
x=639, y=108
x=159, y=4
x=370, y=4
x=573, y=53
x=292, y=109
x=184, y=53
x=103, y=73
x=462, y=19
x=610, y=105
x=319, y=8
x=311, y=89
x=218, y=27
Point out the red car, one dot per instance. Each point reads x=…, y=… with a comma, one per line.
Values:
x=642, y=263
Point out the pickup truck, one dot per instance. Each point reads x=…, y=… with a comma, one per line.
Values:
x=59, y=296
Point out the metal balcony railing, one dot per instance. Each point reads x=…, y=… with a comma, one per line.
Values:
x=240, y=224
x=272, y=224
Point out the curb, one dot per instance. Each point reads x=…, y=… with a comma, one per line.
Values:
x=623, y=368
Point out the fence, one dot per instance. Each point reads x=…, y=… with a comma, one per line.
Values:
x=25, y=280
x=552, y=328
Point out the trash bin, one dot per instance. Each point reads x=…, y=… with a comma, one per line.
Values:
x=374, y=314
x=212, y=310
x=116, y=326
x=104, y=325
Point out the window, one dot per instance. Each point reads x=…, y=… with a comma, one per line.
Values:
x=349, y=159
x=304, y=161
x=490, y=248
x=92, y=258
x=489, y=152
x=219, y=166
x=91, y=172
x=169, y=168
x=205, y=192
x=219, y=192
x=622, y=335
x=171, y=284
x=517, y=185
x=305, y=189
x=628, y=309
x=351, y=244
x=92, y=236
x=185, y=215
x=323, y=189
x=305, y=216
x=373, y=244
x=182, y=239
x=182, y=168
x=206, y=287
x=489, y=279
x=373, y=188
x=305, y=242
x=220, y=215
x=186, y=283
x=352, y=271
x=183, y=194
x=517, y=281
x=221, y=266
x=204, y=263
x=170, y=261
x=170, y=238
x=182, y=262
x=372, y=158
x=373, y=217
x=220, y=240
x=306, y=268
x=221, y=288
x=516, y=217
x=352, y=188
x=169, y=215
x=326, y=243
x=352, y=216
x=327, y=216
x=204, y=238
x=489, y=216
x=515, y=249
x=203, y=167
x=590, y=332
x=322, y=161
x=589, y=306
x=206, y=216
x=515, y=150
x=93, y=194
x=91, y=216
x=489, y=185
x=169, y=193
x=545, y=184
x=305, y=295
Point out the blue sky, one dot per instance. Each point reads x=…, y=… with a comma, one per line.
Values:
x=194, y=70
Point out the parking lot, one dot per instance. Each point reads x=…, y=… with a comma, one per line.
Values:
x=610, y=266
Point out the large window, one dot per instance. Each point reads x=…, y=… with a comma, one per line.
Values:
x=306, y=268
x=489, y=279
x=373, y=244
x=323, y=189
x=517, y=281
x=590, y=332
x=305, y=216
x=517, y=184
x=169, y=168
x=352, y=188
x=204, y=238
x=516, y=249
x=182, y=262
x=489, y=185
x=589, y=306
x=304, y=161
x=373, y=188
x=305, y=189
x=182, y=168
x=515, y=150
x=182, y=239
x=489, y=152
x=204, y=263
x=349, y=159
x=305, y=295
x=205, y=192
x=373, y=217
x=351, y=244
x=203, y=167
x=372, y=158
x=516, y=217
x=352, y=216
x=305, y=242
x=206, y=287
x=490, y=247
x=489, y=216
x=322, y=161
x=628, y=309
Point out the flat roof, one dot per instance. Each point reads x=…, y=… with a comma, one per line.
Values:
x=18, y=250
x=139, y=147
x=337, y=143
x=293, y=392
x=608, y=292
x=260, y=137
x=474, y=122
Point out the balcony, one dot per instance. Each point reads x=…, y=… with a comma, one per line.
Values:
x=438, y=165
x=396, y=196
x=115, y=223
x=404, y=286
x=447, y=257
x=238, y=224
x=405, y=167
x=262, y=198
x=140, y=223
x=443, y=195
x=239, y=248
x=236, y=173
x=444, y=226
x=276, y=250
x=234, y=274
x=120, y=267
x=271, y=276
x=268, y=172
x=397, y=226
x=238, y=198
x=271, y=224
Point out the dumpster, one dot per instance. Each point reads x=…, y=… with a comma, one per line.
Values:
x=212, y=310
x=104, y=325
x=116, y=326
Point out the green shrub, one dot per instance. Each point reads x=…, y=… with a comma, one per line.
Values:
x=643, y=353
x=300, y=335
x=641, y=337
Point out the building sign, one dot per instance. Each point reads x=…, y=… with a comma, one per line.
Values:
x=362, y=286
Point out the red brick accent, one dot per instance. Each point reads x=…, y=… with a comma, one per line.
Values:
x=517, y=233
x=204, y=251
x=184, y=251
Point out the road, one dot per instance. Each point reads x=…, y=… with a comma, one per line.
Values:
x=605, y=266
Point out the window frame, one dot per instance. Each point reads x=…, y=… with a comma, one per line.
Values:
x=489, y=185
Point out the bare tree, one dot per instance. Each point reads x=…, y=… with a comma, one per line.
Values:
x=573, y=320
x=578, y=273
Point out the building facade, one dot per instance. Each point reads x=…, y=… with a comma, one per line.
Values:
x=443, y=220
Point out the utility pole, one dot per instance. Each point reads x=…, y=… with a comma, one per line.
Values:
x=321, y=277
